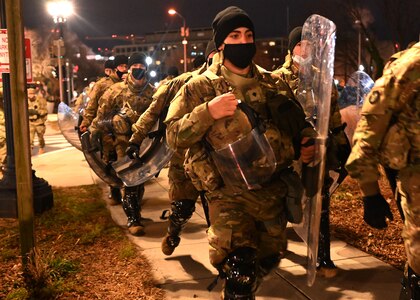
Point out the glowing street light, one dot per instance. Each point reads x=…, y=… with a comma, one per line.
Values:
x=358, y=24
x=60, y=10
x=184, y=34
x=149, y=60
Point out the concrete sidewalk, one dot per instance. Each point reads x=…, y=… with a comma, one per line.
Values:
x=187, y=273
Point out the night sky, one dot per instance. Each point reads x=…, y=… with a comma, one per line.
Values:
x=106, y=17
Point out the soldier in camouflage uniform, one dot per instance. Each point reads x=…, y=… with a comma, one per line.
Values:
x=121, y=105
x=337, y=155
x=37, y=109
x=247, y=226
x=388, y=133
x=119, y=71
x=182, y=192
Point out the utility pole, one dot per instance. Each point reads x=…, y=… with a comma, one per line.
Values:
x=20, y=119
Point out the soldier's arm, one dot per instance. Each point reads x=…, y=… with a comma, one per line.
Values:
x=149, y=118
x=188, y=118
x=106, y=104
x=161, y=100
x=364, y=158
x=92, y=106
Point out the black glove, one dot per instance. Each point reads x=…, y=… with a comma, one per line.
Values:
x=32, y=112
x=132, y=151
x=376, y=211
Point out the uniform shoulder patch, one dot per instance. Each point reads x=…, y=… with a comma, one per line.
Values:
x=374, y=97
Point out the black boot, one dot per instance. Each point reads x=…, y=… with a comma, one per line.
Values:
x=325, y=266
x=182, y=211
x=410, y=289
x=241, y=272
x=131, y=206
x=114, y=196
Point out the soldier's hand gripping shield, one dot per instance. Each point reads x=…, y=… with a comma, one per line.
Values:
x=154, y=154
x=351, y=100
x=93, y=156
x=249, y=161
x=314, y=94
x=68, y=122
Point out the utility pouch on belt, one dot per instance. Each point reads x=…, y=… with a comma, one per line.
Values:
x=288, y=116
x=294, y=195
x=121, y=123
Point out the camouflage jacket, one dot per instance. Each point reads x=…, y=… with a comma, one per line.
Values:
x=37, y=110
x=161, y=100
x=126, y=100
x=190, y=123
x=388, y=132
x=94, y=95
x=289, y=73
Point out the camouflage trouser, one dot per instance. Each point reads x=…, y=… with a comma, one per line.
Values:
x=107, y=147
x=40, y=131
x=180, y=185
x=255, y=219
x=121, y=144
x=409, y=187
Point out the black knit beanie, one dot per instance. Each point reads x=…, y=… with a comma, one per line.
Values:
x=137, y=58
x=120, y=60
x=295, y=36
x=227, y=20
x=109, y=64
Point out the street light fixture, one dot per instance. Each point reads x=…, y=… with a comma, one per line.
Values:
x=60, y=10
x=184, y=34
x=358, y=24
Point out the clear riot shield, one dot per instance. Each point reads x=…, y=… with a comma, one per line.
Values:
x=247, y=162
x=154, y=155
x=94, y=159
x=68, y=123
x=351, y=100
x=314, y=94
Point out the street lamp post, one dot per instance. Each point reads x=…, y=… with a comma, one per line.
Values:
x=359, y=59
x=184, y=34
x=60, y=10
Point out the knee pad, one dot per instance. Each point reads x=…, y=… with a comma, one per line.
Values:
x=182, y=210
x=241, y=273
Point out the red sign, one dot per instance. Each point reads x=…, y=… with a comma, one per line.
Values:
x=4, y=56
x=4, y=52
x=28, y=59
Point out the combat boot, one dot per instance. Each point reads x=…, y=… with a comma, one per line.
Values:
x=410, y=289
x=325, y=266
x=114, y=196
x=182, y=211
x=169, y=243
x=131, y=206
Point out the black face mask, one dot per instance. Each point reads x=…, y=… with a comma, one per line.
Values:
x=120, y=74
x=138, y=73
x=240, y=54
